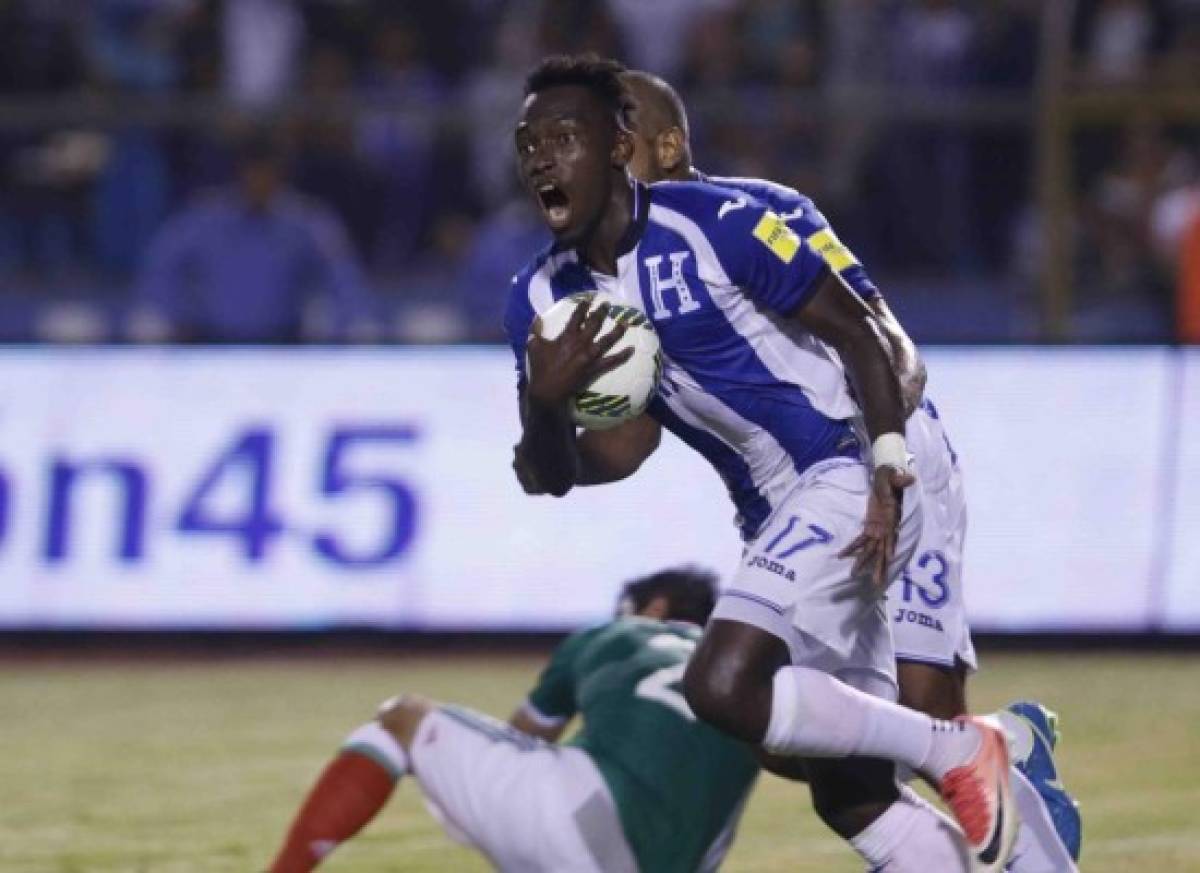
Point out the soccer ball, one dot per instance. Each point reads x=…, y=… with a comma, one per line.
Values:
x=621, y=394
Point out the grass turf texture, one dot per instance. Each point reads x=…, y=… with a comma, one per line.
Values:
x=198, y=767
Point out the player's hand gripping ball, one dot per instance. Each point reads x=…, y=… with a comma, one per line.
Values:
x=624, y=392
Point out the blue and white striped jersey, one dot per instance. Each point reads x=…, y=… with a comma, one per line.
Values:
x=716, y=270
x=802, y=216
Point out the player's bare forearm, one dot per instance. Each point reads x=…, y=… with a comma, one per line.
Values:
x=547, y=459
x=611, y=455
x=602, y=456
x=910, y=366
x=838, y=316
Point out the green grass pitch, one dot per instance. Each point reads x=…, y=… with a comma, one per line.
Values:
x=198, y=767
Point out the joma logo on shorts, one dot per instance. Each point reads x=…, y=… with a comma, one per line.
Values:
x=772, y=567
x=913, y=617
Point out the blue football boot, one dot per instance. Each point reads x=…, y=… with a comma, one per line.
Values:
x=1033, y=731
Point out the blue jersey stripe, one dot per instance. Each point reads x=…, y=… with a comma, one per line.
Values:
x=753, y=508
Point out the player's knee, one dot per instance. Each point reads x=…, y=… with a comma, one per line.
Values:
x=702, y=693
x=402, y=715
x=729, y=678
x=722, y=694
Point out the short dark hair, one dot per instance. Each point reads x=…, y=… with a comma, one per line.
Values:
x=691, y=593
x=601, y=76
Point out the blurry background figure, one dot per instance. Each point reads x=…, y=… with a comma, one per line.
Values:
x=396, y=118
x=573, y=26
x=262, y=41
x=397, y=139
x=133, y=48
x=1188, y=287
x=1124, y=282
x=491, y=260
x=1119, y=39
x=326, y=164
x=932, y=46
x=642, y=27
x=492, y=96
x=243, y=264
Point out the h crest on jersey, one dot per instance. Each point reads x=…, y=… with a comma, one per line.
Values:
x=676, y=282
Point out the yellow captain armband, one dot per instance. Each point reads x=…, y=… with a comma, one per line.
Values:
x=826, y=244
x=773, y=232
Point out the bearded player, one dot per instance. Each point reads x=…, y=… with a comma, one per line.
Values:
x=760, y=341
x=643, y=786
x=934, y=652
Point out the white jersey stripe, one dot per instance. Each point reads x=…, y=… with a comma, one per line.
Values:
x=541, y=296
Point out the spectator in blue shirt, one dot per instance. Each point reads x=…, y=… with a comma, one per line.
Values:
x=241, y=265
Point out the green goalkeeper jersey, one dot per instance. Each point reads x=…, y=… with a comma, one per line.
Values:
x=679, y=784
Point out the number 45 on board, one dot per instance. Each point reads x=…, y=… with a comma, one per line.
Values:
x=248, y=462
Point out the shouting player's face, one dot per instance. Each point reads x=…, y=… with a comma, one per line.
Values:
x=568, y=148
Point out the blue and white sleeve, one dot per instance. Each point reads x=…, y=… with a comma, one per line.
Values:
x=812, y=227
x=766, y=258
x=518, y=318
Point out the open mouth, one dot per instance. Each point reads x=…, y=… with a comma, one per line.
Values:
x=555, y=204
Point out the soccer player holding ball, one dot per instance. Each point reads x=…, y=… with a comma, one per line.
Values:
x=760, y=339
x=934, y=652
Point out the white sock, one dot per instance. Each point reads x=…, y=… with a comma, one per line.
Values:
x=1039, y=848
x=912, y=837
x=954, y=743
x=373, y=741
x=816, y=715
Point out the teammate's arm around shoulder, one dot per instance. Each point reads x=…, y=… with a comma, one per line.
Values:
x=910, y=366
x=838, y=316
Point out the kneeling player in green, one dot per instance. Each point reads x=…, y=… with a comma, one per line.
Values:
x=642, y=786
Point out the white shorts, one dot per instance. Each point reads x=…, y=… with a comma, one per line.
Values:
x=926, y=604
x=792, y=583
x=529, y=806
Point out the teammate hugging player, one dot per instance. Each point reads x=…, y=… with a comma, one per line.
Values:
x=929, y=624
x=643, y=786
x=759, y=337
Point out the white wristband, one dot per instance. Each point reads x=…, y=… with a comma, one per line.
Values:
x=889, y=450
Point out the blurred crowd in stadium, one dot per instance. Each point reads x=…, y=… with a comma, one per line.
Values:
x=289, y=170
